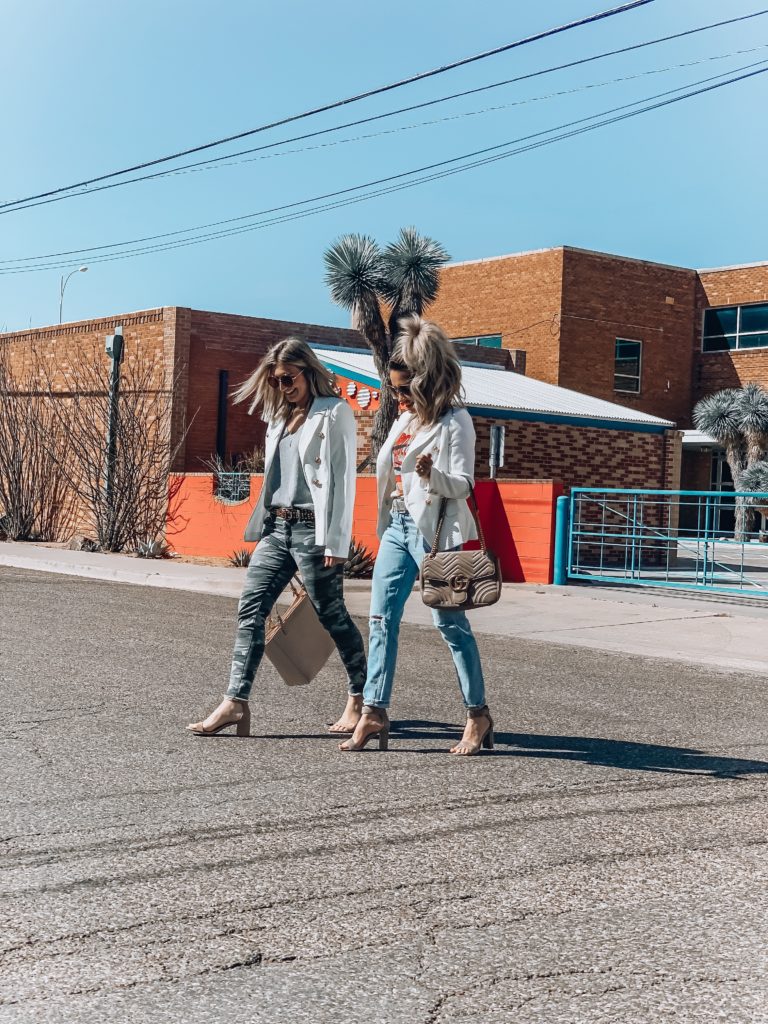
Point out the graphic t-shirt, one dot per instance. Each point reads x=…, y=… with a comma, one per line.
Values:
x=399, y=449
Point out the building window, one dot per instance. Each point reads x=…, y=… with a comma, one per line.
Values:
x=485, y=340
x=627, y=365
x=729, y=327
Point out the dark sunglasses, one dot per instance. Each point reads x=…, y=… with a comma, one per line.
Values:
x=401, y=389
x=283, y=380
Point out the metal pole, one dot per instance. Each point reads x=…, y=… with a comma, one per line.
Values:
x=496, y=458
x=115, y=350
x=562, y=509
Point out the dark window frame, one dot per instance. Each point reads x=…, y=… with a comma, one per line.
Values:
x=629, y=376
x=733, y=339
x=478, y=339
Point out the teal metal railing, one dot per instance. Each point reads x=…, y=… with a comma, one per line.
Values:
x=700, y=540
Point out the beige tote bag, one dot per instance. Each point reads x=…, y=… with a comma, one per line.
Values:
x=296, y=643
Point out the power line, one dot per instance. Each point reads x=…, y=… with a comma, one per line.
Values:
x=382, y=181
x=284, y=217
x=211, y=165
x=206, y=165
x=218, y=162
x=11, y=207
x=547, y=33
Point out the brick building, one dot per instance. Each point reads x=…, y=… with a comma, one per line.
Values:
x=648, y=338
x=652, y=337
x=199, y=357
x=549, y=432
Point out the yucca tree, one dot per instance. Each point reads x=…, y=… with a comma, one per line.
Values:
x=364, y=279
x=756, y=478
x=737, y=418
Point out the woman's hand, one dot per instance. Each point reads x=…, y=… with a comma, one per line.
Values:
x=330, y=560
x=424, y=466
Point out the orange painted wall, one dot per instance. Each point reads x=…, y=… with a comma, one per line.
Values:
x=518, y=518
x=214, y=529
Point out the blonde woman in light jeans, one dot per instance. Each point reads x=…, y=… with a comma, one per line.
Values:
x=429, y=455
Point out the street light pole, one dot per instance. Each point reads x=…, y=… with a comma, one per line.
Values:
x=63, y=285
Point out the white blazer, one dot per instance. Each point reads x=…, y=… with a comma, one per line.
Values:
x=451, y=443
x=328, y=453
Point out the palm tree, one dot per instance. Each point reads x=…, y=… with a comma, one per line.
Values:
x=364, y=279
x=737, y=418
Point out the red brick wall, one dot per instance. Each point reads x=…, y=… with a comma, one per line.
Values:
x=714, y=371
x=579, y=456
x=697, y=471
x=608, y=297
x=515, y=296
x=220, y=341
x=150, y=332
x=565, y=307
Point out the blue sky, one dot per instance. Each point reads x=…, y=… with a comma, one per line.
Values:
x=93, y=87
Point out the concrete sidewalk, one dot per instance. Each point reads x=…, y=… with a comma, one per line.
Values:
x=722, y=634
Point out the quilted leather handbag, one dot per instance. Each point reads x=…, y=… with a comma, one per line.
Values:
x=460, y=579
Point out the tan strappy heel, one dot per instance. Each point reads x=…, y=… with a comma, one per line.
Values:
x=485, y=742
x=241, y=719
x=382, y=733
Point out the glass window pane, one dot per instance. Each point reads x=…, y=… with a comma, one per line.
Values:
x=622, y=382
x=753, y=341
x=490, y=341
x=720, y=321
x=627, y=349
x=627, y=359
x=719, y=344
x=754, y=318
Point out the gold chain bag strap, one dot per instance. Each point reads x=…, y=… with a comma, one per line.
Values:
x=460, y=579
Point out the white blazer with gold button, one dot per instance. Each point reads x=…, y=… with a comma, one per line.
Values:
x=328, y=454
x=451, y=443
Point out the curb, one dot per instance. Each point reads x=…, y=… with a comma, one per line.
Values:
x=198, y=584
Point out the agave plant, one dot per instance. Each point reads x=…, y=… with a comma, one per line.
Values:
x=240, y=558
x=362, y=278
x=152, y=548
x=359, y=565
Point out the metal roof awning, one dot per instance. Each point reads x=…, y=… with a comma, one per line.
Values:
x=697, y=439
x=502, y=394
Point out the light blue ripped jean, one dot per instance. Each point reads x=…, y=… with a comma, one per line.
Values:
x=397, y=566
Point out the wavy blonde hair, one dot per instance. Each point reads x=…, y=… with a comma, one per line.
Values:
x=423, y=350
x=271, y=402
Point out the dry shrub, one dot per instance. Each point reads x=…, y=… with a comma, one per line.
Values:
x=36, y=500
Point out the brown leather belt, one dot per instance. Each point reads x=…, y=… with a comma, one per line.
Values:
x=294, y=515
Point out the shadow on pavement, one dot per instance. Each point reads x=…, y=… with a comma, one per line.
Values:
x=648, y=757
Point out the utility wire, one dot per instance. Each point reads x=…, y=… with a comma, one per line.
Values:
x=13, y=206
x=370, y=184
x=547, y=33
x=212, y=166
x=440, y=170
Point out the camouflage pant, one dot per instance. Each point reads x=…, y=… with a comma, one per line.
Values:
x=283, y=548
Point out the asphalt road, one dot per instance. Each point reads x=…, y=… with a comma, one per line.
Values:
x=607, y=863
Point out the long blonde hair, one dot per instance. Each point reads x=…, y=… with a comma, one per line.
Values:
x=423, y=350
x=271, y=402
